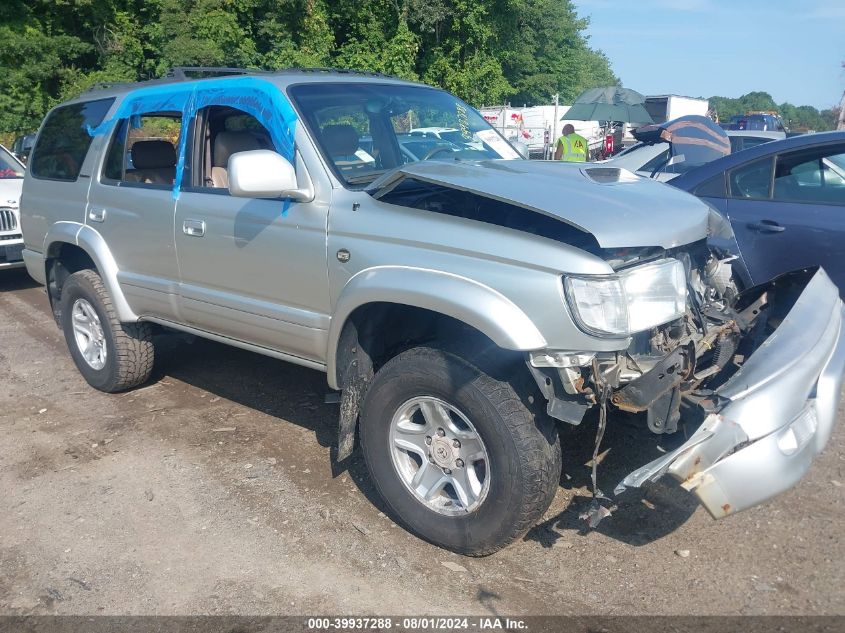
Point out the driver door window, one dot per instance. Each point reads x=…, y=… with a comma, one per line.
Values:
x=224, y=131
x=815, y=176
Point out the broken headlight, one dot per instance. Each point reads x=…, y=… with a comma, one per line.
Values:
x=630, y=301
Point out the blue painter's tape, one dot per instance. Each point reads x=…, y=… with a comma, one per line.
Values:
x=253, y=95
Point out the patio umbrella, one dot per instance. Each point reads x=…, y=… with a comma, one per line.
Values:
x=609, y=104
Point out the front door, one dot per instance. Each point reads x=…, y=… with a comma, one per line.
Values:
x=252, y=270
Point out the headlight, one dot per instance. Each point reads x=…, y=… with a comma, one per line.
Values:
x=631, y=301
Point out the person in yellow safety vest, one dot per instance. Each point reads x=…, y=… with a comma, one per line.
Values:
x=571, y=147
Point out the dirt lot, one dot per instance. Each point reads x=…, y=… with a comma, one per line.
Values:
x=212, y=491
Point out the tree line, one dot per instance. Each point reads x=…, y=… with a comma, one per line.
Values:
x=486, y=51
x=801, y=118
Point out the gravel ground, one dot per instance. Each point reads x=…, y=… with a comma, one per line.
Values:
x=212, y=491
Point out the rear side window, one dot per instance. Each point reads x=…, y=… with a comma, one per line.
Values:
x=64, y=140
x=143, y=150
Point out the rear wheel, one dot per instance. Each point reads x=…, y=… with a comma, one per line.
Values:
x=112, y=356
x=456, y=453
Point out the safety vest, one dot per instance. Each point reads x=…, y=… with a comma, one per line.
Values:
x=574, y=148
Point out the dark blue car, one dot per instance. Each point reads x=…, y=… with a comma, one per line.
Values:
x=785, y=201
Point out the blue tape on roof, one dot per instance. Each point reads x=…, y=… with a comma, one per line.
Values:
x=255, y=96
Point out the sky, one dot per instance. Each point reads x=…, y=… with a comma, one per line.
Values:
x=700, y=48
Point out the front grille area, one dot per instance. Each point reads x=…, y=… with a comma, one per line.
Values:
x=8, y=220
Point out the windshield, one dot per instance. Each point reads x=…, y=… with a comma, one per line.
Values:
x=9, y=167
x=365, y=130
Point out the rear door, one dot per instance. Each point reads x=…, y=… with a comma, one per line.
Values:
x=788, y=212
x=131, y=205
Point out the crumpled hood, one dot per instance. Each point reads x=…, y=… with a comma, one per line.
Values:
x=618, y=208
x=10, y=191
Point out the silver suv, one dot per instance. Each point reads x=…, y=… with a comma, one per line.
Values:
x=465, y=302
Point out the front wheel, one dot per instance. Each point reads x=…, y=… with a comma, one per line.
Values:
x=456, y=453
x=112, y=356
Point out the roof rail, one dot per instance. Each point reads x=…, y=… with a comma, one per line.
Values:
x=333, y=71
x=182, y=72
x=189, y=73
x=105, y=85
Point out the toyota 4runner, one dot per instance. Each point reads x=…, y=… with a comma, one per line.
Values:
x=464, y=302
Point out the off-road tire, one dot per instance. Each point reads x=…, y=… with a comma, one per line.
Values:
x=523, y=446
x=130, y=351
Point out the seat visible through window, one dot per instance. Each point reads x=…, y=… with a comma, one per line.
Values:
x=225, y=144
x=153, y=162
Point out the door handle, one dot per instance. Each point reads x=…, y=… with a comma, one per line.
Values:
x=97, y=215
x=193, y=228
x=767, y=226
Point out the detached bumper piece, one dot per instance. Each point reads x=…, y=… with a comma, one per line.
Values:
x=779, y=412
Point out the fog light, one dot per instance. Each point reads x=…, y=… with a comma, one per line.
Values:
x=799, y=432
x=549, y=358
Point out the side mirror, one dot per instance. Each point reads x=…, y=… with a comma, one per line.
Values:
x=262, y=173
x=521, y=148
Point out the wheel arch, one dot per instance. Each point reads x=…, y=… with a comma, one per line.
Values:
x=441, y=294
x=69, y=247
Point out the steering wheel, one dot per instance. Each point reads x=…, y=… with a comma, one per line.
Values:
x=434, y=151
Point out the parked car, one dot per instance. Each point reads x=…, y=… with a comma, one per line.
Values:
x=785, y=201
x=653, y=155
x=11, y=182
x=458, y=306
x=22, y=146
x=758, y=121
x=741, y=139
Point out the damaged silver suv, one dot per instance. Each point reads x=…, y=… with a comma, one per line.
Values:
x=463, y=301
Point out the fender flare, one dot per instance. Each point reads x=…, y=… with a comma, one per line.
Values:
x=466, y=300
x=95, y=246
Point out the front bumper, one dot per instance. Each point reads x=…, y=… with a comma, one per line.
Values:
x=780, y=412
x=11, y=253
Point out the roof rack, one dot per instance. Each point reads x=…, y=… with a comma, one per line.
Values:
x=183, y=72
x=191, y=73
x=329, y=71
x=105, y=85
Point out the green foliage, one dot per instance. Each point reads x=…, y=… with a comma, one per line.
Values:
x=796, y=117
x=486, y=51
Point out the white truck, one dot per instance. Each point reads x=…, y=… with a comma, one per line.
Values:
x=664, y=108
x=539, y=127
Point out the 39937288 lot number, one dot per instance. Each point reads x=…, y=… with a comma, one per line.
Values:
x=376, y=623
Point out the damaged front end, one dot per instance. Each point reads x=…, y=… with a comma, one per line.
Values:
x=759, y=372
x=764, y=425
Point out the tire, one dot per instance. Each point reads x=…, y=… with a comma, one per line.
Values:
x=128, y=358
x=518, y=477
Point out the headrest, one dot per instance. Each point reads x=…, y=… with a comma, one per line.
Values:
x=153, y=154
x=340, y=140
x=228, y=143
